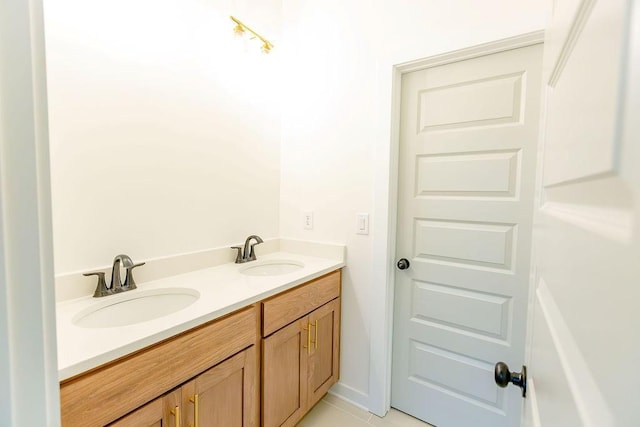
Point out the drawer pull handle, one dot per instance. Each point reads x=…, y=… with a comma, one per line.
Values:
x=196, y=411
x=308, y=346
x=176, y=414
x=316, y=340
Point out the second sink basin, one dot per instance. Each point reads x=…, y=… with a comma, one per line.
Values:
x=134, y=307
x=274, y=267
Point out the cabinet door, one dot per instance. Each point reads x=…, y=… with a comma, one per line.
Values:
x=284, y=370
x=324, y=361
x=160, y=412
x=173, y=409
x=225, y=395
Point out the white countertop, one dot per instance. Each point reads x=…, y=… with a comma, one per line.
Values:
x=223, y=289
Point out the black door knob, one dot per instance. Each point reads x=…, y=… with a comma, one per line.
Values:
x=403, y=264
x=503, y=377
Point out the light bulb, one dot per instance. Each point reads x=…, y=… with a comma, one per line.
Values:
x=238, y=30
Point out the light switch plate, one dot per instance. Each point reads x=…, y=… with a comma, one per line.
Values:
x=362, y=223
x=307, y=220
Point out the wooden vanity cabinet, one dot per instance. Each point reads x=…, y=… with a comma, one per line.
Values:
x=224, y=396
x=300, y=360
x=209, y=376
x=109, y=392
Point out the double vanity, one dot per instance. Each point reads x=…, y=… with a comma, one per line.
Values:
x=237, y=344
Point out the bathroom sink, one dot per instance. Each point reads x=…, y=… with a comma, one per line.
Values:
x=134, y=307
x=272, y=267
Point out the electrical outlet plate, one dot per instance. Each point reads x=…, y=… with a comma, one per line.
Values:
x=307, y=220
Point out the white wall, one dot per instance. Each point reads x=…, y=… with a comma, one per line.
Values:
x=165, y=130
x=338, y=63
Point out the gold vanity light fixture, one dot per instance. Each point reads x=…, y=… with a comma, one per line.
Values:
x=240, y=29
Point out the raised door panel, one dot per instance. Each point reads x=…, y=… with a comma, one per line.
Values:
x=225, y=395
x=585, y=134
x=324, y=360
x=439, y=107
x=284, y=371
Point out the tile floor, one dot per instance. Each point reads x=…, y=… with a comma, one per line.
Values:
x=335, y=412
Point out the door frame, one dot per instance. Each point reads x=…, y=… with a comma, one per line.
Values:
x=30, y=395
x=385, y=211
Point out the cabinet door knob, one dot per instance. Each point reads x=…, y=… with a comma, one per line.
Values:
x=503, y=377
x=403, y=264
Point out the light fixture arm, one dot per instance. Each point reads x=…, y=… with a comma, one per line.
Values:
x=266, y=42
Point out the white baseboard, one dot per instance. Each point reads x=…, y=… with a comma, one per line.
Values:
x=350, y=395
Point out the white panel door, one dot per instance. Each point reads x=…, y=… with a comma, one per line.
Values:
x=585, y=340
x=468, y=146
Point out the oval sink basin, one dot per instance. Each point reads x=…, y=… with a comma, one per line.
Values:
x=271, y=267
x=135, y=306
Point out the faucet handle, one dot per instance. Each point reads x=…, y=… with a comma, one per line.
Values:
x=129, y=283
x=239, y=254
x=101, y=289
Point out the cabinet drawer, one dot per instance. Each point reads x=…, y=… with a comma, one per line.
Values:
x=283, y=309
x=110, y=391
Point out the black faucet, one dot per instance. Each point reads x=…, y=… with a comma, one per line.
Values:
x=247, y=253
x=116, y=285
